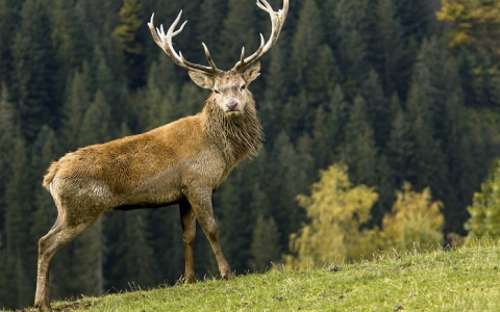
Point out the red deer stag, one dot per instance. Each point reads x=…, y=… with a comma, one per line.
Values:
x=181, y=163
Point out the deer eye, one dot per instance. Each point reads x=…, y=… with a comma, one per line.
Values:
x=243, y=87
x=217, y=91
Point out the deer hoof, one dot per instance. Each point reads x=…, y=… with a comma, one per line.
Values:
x=227, y=275
x=190, y=279
x=43, y=307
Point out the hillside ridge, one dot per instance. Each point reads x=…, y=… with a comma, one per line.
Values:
x=465, y=279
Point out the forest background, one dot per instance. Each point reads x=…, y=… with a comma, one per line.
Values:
x=393, y=89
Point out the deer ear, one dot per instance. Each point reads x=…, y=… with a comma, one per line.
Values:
x=202, y=80
x=252, y=72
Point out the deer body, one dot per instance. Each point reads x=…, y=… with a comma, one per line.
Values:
x=182, y=162
x=153, y=168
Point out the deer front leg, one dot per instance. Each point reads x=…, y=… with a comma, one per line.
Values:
x=188, y=223
x=201, y=203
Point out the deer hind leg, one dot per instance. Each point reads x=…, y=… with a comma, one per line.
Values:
x=61, y=233
x=201, y=203
x=188, y=223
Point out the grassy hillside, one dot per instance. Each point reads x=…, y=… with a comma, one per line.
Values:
x=466, y=279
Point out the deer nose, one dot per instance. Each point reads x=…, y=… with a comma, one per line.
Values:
x=232, y=105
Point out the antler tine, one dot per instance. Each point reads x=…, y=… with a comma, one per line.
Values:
x=242, y=56
x=164, y=41
x=264, y=5
x=208, y=55
x=244, y=61
x=277, y=21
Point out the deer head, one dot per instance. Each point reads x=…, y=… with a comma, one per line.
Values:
x=229, y=88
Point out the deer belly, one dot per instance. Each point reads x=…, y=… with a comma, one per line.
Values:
x=156, y=191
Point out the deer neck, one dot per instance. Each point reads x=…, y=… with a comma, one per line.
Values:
x=237, y=137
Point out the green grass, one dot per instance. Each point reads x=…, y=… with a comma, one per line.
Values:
x=466, y=279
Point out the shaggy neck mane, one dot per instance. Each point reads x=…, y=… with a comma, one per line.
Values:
x=237, y=137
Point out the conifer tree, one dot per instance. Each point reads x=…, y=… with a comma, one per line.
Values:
x=136, y=263
x=238, y=31
x=131, y=39
x=77, y=102
x=275, y=93
x=392, y=61
x=401, y=147
x=329, y=127
x=160, y=97
x=5, y=54
x=166, y=241
x=35, y=70
x=210, y=21
x=359, y=151
x=9, y=16
x=426, y=106
x=236, y=221
x=4, y=279
x=94, y=127
x=191, y=98
x=265, y=244
x=457, y=147
x=351, y=25
x=113, y=88
x=20, y=246
x=291, y=176
x=86, y=269
x=417, y=17
x=485, y=209
x=8, y=129
x=305, y=42
x=70, y=38
x=103, y=77
x=377, y=108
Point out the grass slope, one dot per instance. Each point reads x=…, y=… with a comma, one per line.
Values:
x=467, y=279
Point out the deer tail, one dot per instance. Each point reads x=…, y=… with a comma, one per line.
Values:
x=51, y=172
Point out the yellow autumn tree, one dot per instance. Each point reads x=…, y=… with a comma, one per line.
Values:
x=484, y=212
x=336, y=210
x=415, y=222
x=473, y=22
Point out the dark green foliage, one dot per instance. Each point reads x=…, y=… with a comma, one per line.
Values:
x=360, y=153
x=94, y=128
x=265, y=244
x=352, y=24
x=70, y=38
x=211, y=17
x=131, y=40
x=305, y=42
x=370, y=83
x=76, y=103
x=8, y=130
x=377, y=108
x=136, y=265
x=19, y=244
x=36, y=70
x=401, y=146
x=237, y=31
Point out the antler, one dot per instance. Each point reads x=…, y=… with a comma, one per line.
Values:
x=277, y=21
x=164, y=41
